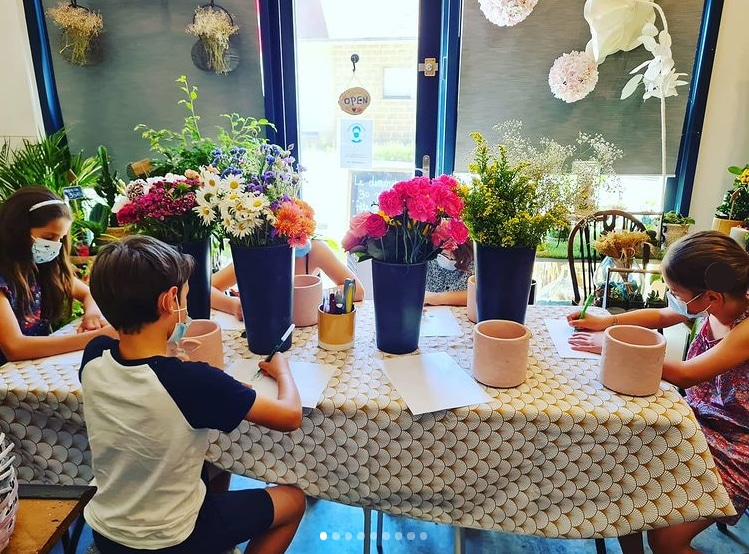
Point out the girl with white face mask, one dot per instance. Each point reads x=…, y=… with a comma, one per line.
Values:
x=37, y=284
x=447, y=277
x=707, y=274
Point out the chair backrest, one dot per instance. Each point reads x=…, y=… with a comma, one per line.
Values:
x=582, y=255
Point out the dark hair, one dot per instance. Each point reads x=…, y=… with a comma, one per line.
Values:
x=708, y=260
x=463, y=256
x=16, y=262
x=129, y=276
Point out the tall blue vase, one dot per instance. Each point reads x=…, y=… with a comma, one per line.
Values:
x=199, y=294
x=503, y=281
x=265, y=279
x=398, y=291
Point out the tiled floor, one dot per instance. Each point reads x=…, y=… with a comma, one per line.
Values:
x=330, y=528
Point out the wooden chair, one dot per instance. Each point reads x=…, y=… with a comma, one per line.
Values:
x=580, y=252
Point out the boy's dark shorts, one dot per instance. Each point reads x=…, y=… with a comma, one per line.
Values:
x=225, y=520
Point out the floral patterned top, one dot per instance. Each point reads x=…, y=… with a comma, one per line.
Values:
x=440, y=279
x=722, y=409
x=31, y=324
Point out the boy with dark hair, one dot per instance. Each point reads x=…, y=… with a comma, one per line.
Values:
x=148, y=417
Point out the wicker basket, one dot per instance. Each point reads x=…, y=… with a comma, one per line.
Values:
x=8, y=492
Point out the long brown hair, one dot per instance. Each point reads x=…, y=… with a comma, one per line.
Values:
x=16, y=262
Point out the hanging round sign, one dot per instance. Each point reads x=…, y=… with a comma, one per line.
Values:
x=354, y=100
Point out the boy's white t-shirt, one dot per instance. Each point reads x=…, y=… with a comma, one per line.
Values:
x=148, y=424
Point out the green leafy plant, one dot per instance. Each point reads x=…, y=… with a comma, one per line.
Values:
x=503, y=205
x=675, y=218
x=735, y=203
x=188, y=148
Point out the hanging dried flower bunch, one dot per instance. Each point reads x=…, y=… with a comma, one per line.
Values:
x=621, y=245
x=213, y=26
x=80, y=26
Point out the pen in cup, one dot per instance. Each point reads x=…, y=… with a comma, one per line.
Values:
x=588, y=302
x=276, y=348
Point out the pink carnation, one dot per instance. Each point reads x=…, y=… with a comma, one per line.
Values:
x=376, y=226
x=358, y=227
x=422, y=208
x=391, y=202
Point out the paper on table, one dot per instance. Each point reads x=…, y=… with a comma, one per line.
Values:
x=69, y=358
x=560, y=332
x=432, y=382
x=310, y=378
x=227, y=321
x=439, y=321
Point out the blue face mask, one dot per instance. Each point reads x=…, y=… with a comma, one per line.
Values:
x=304, y=250
x=682, y=308
x=181, y=327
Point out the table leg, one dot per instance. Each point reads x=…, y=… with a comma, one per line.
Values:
x=367, y=529
x=380, y=517
x=457, y=540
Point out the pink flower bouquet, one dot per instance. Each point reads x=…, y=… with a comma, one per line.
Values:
x=416, y=219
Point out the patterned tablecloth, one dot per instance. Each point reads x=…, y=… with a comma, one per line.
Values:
x=558, y=456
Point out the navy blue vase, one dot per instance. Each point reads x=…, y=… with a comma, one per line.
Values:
x=398, y=291
x=265, y=279
x=199, y=294
x=503, y=281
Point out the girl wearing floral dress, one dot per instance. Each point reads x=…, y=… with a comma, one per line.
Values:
x=707, y=274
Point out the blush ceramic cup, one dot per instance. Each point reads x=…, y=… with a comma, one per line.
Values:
x=500, y=353
x=202, y=343
x=307, y=297
x=632, y=360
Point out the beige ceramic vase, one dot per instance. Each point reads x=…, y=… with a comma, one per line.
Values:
x=725, y=225
x=202, y=343
x=471, y=299
x=500, y=352
x=307, y=297
x=632, y=360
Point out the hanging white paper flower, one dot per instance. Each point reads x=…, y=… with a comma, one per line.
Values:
x=507, y=13
x=615, y=25
x=573, y=76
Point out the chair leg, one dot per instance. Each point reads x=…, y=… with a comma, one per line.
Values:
x=367, y=529
x=457, y=540
x=600, y=546
x=380, y=517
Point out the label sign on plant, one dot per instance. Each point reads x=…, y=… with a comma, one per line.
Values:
x=73, y=193
x=354, y=100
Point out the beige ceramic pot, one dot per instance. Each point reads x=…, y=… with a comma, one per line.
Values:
x=471, y=299
x=500, y=352
x=673, y=232
x=725, y=225
x=307, y=297
x=202, y=343
x=740, y=235
x=632, y=360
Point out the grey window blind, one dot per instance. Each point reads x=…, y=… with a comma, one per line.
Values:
x=504, y=75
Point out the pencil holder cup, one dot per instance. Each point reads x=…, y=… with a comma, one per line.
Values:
x=500, y=352
x=632, y=360
x=202, y=343
x=335, y=331
x=307, y=296
x=471, y=299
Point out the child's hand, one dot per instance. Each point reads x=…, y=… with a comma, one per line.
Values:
x=237, y=311
x=589, y=322
x=278, y=366
x=587, y=342
x=91, y=321
x=109, y=331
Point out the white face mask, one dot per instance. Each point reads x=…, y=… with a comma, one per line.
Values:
x=445, y=263
x=682, y=308
x=181, y=327
x=44, y=251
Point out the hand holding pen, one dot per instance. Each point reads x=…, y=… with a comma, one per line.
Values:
x=581, y=321
x=273, y=352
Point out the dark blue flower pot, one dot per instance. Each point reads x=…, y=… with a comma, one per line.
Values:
x=503, y=281
x=398, y=291
x=199, y=295
x=265, y=279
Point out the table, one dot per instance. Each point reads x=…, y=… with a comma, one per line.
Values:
x=559, y=456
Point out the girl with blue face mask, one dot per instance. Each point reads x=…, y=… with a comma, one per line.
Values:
x=37, y=284
x=707, y=274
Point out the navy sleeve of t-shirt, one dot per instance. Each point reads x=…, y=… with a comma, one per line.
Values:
x=95, y=348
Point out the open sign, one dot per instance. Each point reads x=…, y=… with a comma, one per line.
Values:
x=354, y=100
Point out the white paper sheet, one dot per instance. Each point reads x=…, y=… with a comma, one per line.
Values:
x=432, y=382
x=560, y=332
x=439, y=321
x=310, y=378
x=69, y=358
x=227, y=321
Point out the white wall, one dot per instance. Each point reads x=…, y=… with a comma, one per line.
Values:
x=20, y=115
x=725, y=136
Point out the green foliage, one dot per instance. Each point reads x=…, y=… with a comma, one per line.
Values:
x=677, y=219
x=188, y=148
x=735, y=204
x=503, y=206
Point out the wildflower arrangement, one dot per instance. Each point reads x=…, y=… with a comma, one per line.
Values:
x=162, y=207
x=80, y=26
x=735, y=203
x=507, y=13
x=504, y=206
x=621, y=245
x=253, y=201
x=213, y=27
x=415, y=220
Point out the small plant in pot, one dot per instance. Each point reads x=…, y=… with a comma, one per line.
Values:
x=735, y=206
x=675, y=226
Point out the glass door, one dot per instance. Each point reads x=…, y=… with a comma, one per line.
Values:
x=357, y=144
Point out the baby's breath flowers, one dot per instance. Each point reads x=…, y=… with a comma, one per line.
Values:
x=621, y=245
x=213, y=27
x=79, y=27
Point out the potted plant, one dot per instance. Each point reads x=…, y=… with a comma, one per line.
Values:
x=654, y=300
x=80, y=28
x=620, y=249
x=675, y=226
x=735, y=206
x=508, y=213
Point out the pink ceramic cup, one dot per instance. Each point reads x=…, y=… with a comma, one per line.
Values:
x=500, y=352
x=471, y=299
x=307, y=297
x=202, y=343
x=632, y=360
